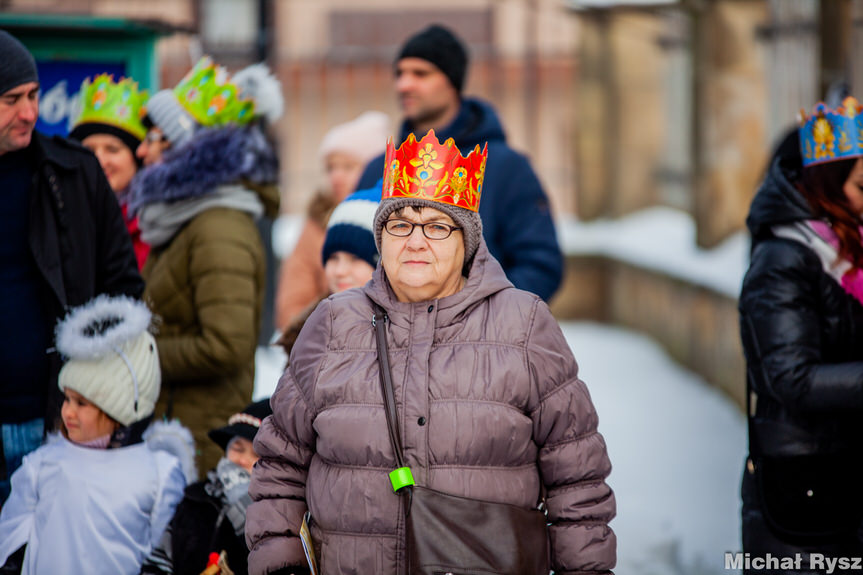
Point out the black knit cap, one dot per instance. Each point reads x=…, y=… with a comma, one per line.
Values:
x=442, y=48
x=244, y=424
x=17, y=66
x=83, y=131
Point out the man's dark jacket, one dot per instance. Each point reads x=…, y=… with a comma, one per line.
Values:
x=515, y=213
x=76, y=232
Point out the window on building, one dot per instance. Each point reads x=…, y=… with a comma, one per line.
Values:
x=229, y=26
x=374, y=35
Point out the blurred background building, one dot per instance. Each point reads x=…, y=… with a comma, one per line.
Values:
x=626, y=108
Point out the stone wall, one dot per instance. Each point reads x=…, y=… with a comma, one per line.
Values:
x=673, y=110
x=697, y=326
x=620, y=128
x=731, y=105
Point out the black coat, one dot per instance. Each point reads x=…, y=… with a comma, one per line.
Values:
x=197, y=530
x=78, y=238
x=802, y=337
x=802, y=333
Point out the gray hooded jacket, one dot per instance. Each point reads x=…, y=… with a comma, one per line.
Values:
x=490, y=407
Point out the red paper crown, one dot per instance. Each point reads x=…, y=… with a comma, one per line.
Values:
x=433, y=171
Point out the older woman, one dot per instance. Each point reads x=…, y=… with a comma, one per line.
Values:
x=487, y=391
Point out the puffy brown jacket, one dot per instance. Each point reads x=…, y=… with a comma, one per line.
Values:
x=207, y=288
x=490, y=407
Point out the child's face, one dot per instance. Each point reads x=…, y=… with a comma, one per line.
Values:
x=345, y=271
x=83, y=420
x=241, y=452
x=343, y=172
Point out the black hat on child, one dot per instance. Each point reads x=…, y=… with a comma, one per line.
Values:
x=442, y=48
x=244, y=424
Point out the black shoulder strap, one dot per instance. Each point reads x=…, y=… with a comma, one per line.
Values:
x=379, y=319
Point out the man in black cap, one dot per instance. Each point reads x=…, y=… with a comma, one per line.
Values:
x=62, y=242
x=517, y=225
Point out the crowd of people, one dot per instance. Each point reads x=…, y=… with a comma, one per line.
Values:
x=129, y=440
x=421, y=352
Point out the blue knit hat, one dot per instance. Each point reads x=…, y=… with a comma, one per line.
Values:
x=350, y=227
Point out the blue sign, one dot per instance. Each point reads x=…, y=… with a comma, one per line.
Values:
x=60, y=83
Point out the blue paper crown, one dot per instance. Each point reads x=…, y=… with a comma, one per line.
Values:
x=829, y=135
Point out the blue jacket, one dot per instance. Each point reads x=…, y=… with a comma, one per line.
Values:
x=516, y=218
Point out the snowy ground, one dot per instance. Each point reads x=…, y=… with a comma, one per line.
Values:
x=676, y=445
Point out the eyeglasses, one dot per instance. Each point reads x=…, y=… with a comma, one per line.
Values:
x=155, y=137
x=431, y=230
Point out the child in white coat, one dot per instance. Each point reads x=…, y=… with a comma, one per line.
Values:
x=97, y=498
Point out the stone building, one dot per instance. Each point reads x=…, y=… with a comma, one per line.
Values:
x=334, y=59
x=680, y=103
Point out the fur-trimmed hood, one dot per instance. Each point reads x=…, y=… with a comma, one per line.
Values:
x=215, y=157
x=172, y=437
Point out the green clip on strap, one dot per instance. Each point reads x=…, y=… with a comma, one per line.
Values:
x=401, y=477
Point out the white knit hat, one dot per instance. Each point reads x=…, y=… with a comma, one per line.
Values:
x=364, y=137
x=113, y=360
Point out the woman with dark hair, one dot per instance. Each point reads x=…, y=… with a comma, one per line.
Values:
x=109, y=125
x=801, y=322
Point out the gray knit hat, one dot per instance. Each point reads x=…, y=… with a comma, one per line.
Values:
x=469, y=221
x=17, y=65
x=166, y=113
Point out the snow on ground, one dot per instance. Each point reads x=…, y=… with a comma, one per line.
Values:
x=676, y=444
x=662, y=239
x=269, y=362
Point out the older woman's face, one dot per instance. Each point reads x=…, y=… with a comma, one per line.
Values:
x=418, y=268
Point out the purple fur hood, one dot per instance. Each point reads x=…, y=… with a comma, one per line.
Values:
x=215, y=157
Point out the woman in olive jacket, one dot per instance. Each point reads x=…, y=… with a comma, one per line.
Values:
x=801, y=323
x=197, y=200
x=488, y=397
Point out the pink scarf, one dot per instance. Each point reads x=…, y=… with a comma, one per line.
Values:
x=98, y=443
x=852, y=280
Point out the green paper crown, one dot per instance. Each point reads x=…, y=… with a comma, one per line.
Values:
x=117, y=104
x=211, y=98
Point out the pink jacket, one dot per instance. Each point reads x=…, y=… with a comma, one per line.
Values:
x=490, y=407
